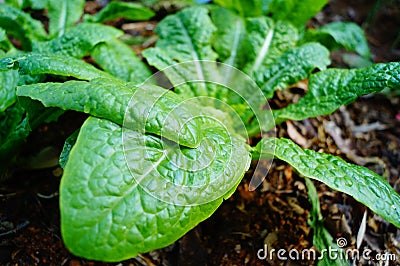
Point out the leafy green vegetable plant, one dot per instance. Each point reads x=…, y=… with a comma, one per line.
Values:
x=47, y=57
x=149, y=164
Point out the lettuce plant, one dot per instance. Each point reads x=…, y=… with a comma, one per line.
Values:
x=149, y=164
x=45, y=58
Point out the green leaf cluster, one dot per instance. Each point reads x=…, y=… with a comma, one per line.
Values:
x=58, y=54
x=149, y=164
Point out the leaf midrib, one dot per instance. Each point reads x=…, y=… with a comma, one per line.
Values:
x=63, y=18
x=264, y=50
x=194, y=54
x=235, y=46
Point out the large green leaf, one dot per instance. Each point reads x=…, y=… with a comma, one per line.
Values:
x=266, y=50
x=36, y=63
x=14, y=3
x=161, y=60
x=35, y=4
x=267, y=40
x=116, y=9
x=359, y=182
x=255, y=41
x=8, y=84
x=63, y=14
x=20, y=24
x=295, y=12
x=180, y=41
x=273, y=60
x=341, y=34
x=5, y=43
x=228, y=41
x=22, y=4
x=32, y=65
x=249, y=8
x=226, y=88
x=106, y=215
x=78, y=41
x=332, y=88
x=14, y=130
x=293, y=65
x=118, y=59
x=153, y=108
x=260, y=46
x=185, y=36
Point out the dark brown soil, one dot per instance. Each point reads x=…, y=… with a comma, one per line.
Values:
x=367, y=132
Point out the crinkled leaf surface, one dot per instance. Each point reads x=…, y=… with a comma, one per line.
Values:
x=332, y=88
x=153, y=108
x=8, y=84
x=14, y=129
x=63, y=14
x=35, y=64
x=267, y=40
x=21, y=25
x=274, y=61
x=359, y=182
x=161, y=60
x=236, y=95
x=21, y=4
x=295, y=12
x=78, y=41
x=116, y=9
x=185, y=36
x=249, y=8
x=265, y=49
x=229, y=39
x=105, y=215
x=179, y=41
x=118, y=59
x=9, y=121
x=341, y=34
x=30, y=67
x=293, y=65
